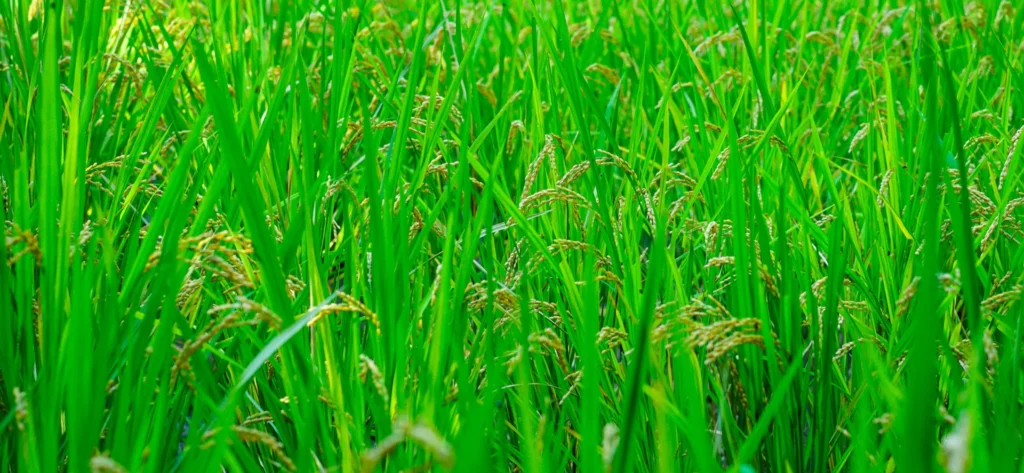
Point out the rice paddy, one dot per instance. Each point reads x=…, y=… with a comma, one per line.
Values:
x=390, y=236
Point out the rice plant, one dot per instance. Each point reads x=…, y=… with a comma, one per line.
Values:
x=528, y=236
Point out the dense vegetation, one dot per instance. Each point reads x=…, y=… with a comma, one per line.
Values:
x=653, y=236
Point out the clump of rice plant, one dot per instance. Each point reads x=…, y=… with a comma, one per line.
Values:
x=360, y=236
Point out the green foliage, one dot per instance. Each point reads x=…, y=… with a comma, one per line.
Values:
x=362, y=236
